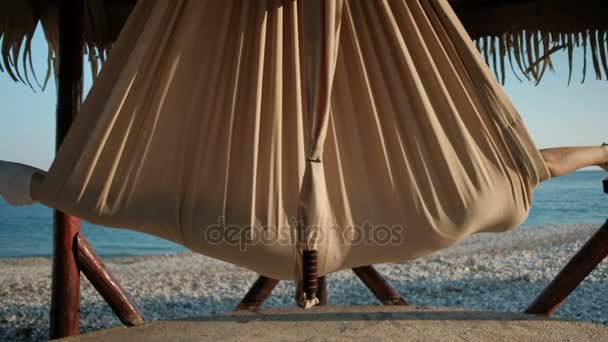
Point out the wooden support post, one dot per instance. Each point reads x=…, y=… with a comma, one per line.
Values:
x=379, y=286
x=258, y=293
x=568, y=279
x=97, y=273
x=65, y=302
x=322, y=293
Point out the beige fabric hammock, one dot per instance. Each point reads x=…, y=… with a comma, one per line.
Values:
x=371, y=131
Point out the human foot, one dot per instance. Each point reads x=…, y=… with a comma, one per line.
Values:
x=605, y=165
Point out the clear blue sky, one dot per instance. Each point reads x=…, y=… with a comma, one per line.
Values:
x=556, y=114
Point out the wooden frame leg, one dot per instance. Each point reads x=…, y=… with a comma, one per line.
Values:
x=322, y=292
x=568, y=279
x=65, y=293
x=258, y=293
x=262, y=288
x=65, y=301
x=95, y=270
x=385, y=293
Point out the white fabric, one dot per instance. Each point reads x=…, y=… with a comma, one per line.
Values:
x=15, y=183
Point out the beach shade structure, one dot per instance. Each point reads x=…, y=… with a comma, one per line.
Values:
x=577, y=269
x=293, y=138
x=516, y=37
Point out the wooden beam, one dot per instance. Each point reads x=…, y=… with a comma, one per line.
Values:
x=108, y=287
x=258, y=293
x=568, y=279
x=65, y=301
x=65, y=284
x=322, y=292
x=385, y=293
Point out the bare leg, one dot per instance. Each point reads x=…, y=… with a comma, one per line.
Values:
x=564, y=160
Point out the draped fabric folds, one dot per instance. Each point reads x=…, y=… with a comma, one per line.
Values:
x=226, y=126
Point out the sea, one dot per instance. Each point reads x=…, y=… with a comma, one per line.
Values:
x=28, y=231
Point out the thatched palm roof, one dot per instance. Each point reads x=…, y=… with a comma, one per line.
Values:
x=525, y=33
x=517, y=34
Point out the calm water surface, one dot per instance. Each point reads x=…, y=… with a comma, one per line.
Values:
x=27, y=231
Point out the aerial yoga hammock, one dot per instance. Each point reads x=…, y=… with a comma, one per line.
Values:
x=260, y=132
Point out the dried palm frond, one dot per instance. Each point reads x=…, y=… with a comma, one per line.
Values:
x=19, y=20
x=524, y=34
x=16, y=34
x=532, y=52
x=530, y=32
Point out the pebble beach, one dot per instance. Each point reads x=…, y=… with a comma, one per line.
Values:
x=496, y=272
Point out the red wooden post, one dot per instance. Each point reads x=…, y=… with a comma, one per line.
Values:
x=109, y=288
x=322, y=293
x=568, y=279
x=379, y=286
x=65, y=302
x=258, y=293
